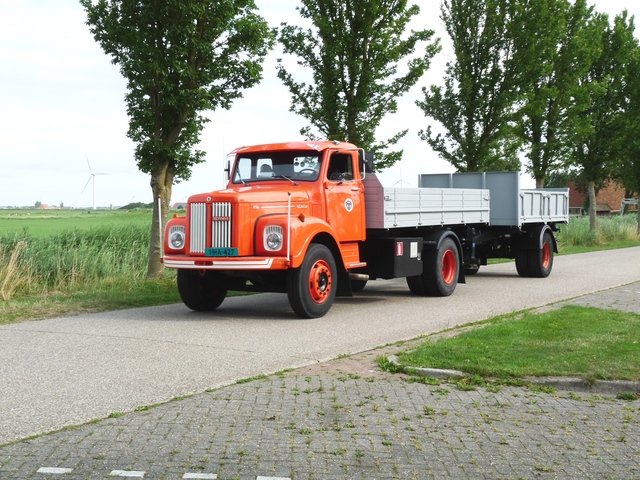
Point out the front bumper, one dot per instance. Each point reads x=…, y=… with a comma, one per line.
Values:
x=225, y=263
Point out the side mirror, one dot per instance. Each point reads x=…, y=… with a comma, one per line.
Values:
x=227, y=170
x=365, y=161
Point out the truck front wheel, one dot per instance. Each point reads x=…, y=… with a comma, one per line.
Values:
x=311, y=288
x=199, y=291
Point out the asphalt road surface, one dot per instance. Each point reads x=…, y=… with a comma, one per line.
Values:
x=67, y=371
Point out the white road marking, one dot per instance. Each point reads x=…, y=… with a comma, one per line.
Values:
x=211, y=476
x=127, y=473
x=55, y=470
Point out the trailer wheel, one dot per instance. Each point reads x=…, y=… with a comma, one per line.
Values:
x=472, y=269
x=522, y=263
x=199, y=291
x=440, y=272
x=541, y=260
x=312, y=287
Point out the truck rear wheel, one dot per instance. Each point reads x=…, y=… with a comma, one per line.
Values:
x=311, y=288
x=443, y=266
x=417, y=286
x=199, y=291
x=358, y=285
x=440, y=273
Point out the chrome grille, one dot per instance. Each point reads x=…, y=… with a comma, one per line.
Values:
x=221, y=225
x=198, y=227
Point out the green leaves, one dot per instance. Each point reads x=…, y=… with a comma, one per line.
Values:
x=179, y=58
x=352, y=52
x=476, y=103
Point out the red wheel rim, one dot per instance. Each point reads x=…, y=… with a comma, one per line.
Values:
x=448, y=267
x=546, y=255
x=320, y=281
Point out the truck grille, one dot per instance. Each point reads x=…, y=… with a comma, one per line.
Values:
x=198, y=227
x=220, y=226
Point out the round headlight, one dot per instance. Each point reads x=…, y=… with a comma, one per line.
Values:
x=176, y=240
x=274, y=241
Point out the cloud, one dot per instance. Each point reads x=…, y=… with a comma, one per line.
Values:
x=62, y=100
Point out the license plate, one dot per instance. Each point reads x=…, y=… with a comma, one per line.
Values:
x=221, y=252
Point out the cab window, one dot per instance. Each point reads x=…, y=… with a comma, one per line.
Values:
x=340, y=167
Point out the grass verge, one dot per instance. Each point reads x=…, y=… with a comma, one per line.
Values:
x=106, y=295
x=574, y=341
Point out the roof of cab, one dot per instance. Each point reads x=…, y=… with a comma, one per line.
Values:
x=310, y=145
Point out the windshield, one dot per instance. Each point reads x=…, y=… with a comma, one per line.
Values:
x=268, y=166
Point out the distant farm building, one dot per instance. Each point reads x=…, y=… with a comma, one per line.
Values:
x=608, y=199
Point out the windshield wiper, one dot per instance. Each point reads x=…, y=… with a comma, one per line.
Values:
x=287, y=178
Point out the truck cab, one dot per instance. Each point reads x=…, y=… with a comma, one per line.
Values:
x=281, y=200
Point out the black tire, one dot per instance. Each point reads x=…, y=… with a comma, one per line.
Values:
x=417, y=286
x=471, y=270
x=358, y=285
x=199, y=291
x=311, y=288
x=541, y=260
x=440, y=272
x=442, y=269
x=522, y=263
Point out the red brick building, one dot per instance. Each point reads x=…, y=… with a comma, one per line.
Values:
x=608, y=199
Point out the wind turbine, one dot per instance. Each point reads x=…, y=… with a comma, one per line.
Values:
x=92, y=177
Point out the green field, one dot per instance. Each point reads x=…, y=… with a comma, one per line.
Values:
x=47, y=222
x=55, y=262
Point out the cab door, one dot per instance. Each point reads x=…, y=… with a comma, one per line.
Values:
x=344, y=196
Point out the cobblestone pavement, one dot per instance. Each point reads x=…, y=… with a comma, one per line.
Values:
x=346, y=419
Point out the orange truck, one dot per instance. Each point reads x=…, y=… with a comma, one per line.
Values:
x=311, y=220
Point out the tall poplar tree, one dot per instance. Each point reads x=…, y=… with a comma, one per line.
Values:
x=352, y=53
x=601, y=145
x=477, y=101
x=558, y=42
x=179, y=58
x=628, y=171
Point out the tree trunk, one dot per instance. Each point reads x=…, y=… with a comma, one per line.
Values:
x=161, y=185
x=591, y=188
x=540, y=182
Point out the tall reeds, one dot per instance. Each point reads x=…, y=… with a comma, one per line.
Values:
x=613, y=229
x=12, y=276
x=73, y=259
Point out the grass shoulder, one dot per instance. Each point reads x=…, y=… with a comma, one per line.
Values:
x=573, y=341
x=107, y=295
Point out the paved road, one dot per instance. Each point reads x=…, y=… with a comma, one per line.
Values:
x=67, y=371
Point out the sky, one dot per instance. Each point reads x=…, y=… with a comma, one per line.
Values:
x=63, y=114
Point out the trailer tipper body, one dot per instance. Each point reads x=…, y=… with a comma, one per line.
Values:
x=309, y=219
